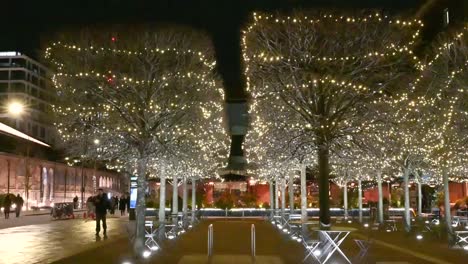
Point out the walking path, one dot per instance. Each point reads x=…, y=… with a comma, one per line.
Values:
x=54, y=240
x=30, y=218
x=232, y=245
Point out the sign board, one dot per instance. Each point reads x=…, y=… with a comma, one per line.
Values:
x=133, y=192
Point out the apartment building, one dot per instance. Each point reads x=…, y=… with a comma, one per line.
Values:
x=26, y=81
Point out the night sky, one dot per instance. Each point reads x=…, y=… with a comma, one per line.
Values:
x=26, y=24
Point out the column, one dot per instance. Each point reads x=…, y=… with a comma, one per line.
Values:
x=184, y=199
x=291, y=192
x=194, y=199
x=360, y=199
x=380, y=204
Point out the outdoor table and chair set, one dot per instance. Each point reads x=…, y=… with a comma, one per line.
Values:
x=174, y=226
x=319, y=245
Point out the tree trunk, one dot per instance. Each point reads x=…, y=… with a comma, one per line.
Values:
x=345, y=200
x=303, y=194
x=175, y=195
x=139, y=243
x=283, y=196
x=379, y=186
x=448, y=215
x=272, y=198
x=184, y=200
x=360, y=199
x=276, y=194
x=291, y=192
x=407, y=200
x=324, y=185
x=162, y=198
x=419, y=198
x=194, y=199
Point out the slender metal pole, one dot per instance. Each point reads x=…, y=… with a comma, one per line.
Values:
x=303, y=194
x=8, y=184
x=210, y=240
x=380, y=202
x=360, y=199
x=291, y=192
x=252, y=239
x=345, y=199
x=184, y=201
x=272, y=199
x=194, y=201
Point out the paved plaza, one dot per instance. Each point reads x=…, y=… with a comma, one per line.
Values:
x=231, y=244
x=43, y=240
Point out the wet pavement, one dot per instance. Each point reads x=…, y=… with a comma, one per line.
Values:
x=24, y=220
x=54, y=240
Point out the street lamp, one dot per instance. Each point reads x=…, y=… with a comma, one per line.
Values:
x=15, y=108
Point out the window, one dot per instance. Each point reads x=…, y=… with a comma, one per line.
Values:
x=19, y=63
x=18, y=75
x=4, y=75
x=34, y=80
x=3, y=87
x=34, y=130
x=4, y=62
x=42, y=134
x=17, y=87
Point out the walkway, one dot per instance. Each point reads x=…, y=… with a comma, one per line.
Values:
x=232, y=245
x=54, y=240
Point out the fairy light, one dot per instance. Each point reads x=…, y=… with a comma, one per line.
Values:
x=175, y=115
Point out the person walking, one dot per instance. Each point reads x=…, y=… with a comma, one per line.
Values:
x=90, y=207
x=19, y=205
x=112, y=205
x=122, y=204
x=127, y=194
x=6, y=206
x=75, y=202
x=102, y=204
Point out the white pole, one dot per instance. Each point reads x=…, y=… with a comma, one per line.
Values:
x=276, y=194
x=380, y=205
x=194, y=197
x=303, y=194
x=345, y=199
x=272, y=198
x=360, y=199
x=283, y=195
x=291, y=192
x=184, y=199
x=175, y=195
x=162, y=197
x=419, y=197
x=407, y=200
x=448, y=215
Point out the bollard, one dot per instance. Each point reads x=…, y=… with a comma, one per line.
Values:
x=252, y=239
x=210, y=240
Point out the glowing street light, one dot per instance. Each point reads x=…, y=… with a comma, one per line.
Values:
x=15, y=108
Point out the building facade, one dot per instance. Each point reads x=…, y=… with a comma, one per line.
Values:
x=52, y=182
x=26, y=81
